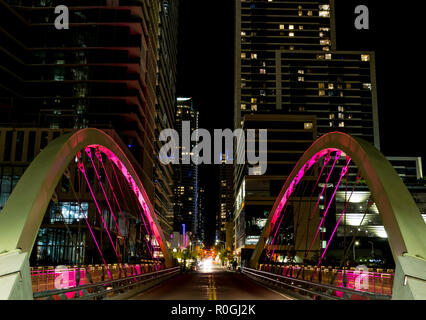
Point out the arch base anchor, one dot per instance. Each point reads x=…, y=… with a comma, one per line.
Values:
x=15, y=276
x=410, y=279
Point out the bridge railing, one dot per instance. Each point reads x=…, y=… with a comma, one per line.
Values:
x=105, y=289
x=374, y=280
x=44, y=278
x=312, y=289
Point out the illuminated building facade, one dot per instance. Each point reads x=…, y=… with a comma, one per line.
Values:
x=114, y=70
x=286, y=63
x=226, y=196
x=165, y=110
x=186, y=175
x=288, y=138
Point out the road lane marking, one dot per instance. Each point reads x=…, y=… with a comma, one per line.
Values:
x=212, y=288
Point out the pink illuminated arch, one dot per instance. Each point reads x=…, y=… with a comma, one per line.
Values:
x=23, y=213
x=400, y=215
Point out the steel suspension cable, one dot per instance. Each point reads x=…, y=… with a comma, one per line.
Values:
x=89, y=227
x=83, y=171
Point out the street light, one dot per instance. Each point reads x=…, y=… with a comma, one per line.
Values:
x=372, y=248
x=356, y=243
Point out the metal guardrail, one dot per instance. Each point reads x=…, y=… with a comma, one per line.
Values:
x=322, y=290
x=105, y=288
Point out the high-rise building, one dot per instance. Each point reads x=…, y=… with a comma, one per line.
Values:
x=287, y=65
x=186, y=174
x=288, y=138
x=113, y=69
x=202, y=213
x=226, y=198
x=286, y=62
x=165, y=110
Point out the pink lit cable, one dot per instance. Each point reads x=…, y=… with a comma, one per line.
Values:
x=344, y=170
x=96, y=242
x=335, y=229
x=89, y=153
x=99, y=156
x=138, y=205
x=81, y=167
x=276, y=231
x=138, y=190
x=338, y=154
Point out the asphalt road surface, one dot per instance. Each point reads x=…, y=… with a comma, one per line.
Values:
x=211, y=284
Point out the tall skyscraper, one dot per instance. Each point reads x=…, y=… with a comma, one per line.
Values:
x=186, y=175
x=287, y=64
x=165, y=110
x=113, y=69
x=226, y=197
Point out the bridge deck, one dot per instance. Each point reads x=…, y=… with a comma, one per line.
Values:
x=215, y=284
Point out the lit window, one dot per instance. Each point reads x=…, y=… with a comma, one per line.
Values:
x=341, y=124
x=308, y=125
x=263, y=93
x=262, y=71
x=341, y=116
x=323, y=13
x=340, y=109
x=243, y=55
x=365, y=57
x=301, y=71
x=325, y=42
x=243, y=33
x=310, y=13
x=348, y=86
x=254, y=55
x=291, y=34
x=254, y=107
x=321, y=93
x=321, y=85
x=320, y=56
x=291, y=27
x=325, y=7
x=331, y=116
x=301, y=79
x=331, y=86
x=243, y=107
x=366, y=86
x=328, y=56
x=291, y=48
x=253, y=100
x=281, y=27
x=300, y=13
x=300, y=27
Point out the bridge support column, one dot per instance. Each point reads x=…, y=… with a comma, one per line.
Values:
x=15, y=276
x=410, y=279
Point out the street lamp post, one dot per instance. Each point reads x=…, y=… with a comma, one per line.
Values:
x=356, y=243
x=372, y=248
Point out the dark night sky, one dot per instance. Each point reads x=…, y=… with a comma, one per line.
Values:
x=206, y=59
